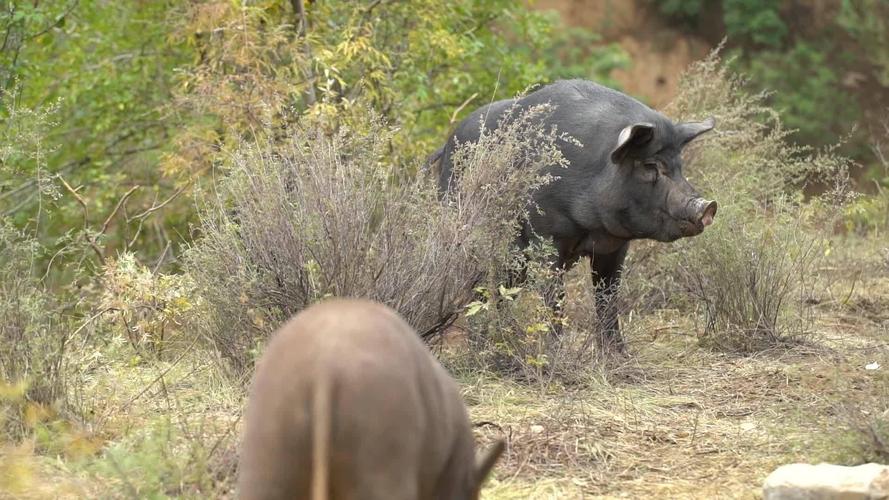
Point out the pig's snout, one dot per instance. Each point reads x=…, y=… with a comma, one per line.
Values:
x=706, y=211
x=700, y=214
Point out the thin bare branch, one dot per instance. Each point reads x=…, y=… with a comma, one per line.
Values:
x=120, y=203
x=79, y=199
x=460, y=108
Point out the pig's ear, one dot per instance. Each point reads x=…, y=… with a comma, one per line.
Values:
x=485, y=462
x=631, y=137
x=688, y=131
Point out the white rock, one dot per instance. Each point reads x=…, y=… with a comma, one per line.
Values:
x=827, y=482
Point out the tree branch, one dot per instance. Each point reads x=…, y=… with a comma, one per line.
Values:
x=91, y=240
x=460, y=108
x=78, y=198
x=120, y=203
x=57, y=22
x=302, y=30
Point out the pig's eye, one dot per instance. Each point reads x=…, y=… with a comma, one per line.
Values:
x=656, y=168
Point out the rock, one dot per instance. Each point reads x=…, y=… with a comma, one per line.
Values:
x=827, y=482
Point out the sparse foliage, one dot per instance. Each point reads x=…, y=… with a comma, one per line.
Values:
x=326, y=216
x=32, y=338
x=152, y=309
x=753, y=271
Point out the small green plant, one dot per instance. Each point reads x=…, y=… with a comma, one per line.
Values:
x=870, y=213
x=873, y=432
x=534, y=331
x=512, y=328
x=168, y=457
x=863, y=423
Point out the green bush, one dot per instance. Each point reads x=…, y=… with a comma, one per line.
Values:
x=757, y=22
x=868, y=22
x=754, y=23
x=684, y=11
x=806, y=90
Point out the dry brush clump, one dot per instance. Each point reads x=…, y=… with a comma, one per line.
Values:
x=527, y=330
x=312, y=216
x=32, y=344
x=753, y=272
x=151, y=309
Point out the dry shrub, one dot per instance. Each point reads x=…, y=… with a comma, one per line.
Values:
x=753, y=270
x=30, y=348
x=753, y=282
x=32, y=342
x=151, y=308
x=513, y=328
x=316, y=216
x=747, y=160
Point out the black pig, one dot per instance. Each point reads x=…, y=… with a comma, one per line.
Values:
x=623, y=182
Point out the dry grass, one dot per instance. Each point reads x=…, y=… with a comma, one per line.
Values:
x=677, y=420
x=682, y=421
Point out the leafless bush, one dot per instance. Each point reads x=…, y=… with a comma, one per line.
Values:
x=319, y=216
x=751, y=272
x=752, y=282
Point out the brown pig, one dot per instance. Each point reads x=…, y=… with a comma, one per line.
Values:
x=346, y=404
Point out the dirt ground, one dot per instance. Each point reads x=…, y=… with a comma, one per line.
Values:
x=681, y=421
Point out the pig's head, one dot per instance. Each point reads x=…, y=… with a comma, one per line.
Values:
x=656, y=200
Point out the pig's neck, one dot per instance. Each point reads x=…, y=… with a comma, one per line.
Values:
x=571, y=249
